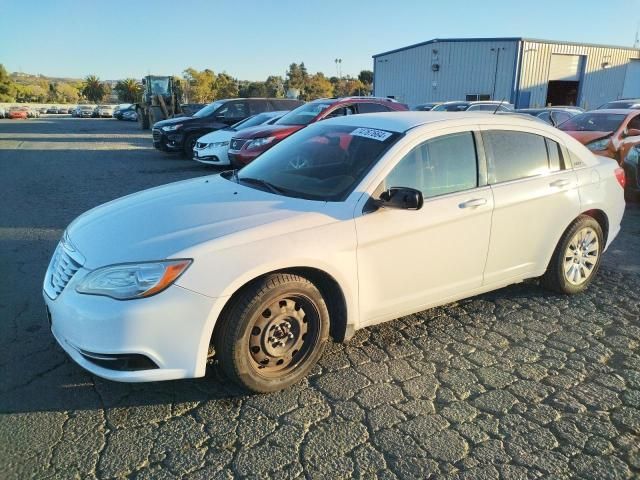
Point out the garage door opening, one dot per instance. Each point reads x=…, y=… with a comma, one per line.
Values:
x=562, y=92
x=565, y=73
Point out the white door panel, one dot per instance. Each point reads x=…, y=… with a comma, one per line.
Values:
x=409, y=259
x=528, y=219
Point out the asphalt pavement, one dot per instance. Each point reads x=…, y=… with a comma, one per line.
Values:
x=515, y=384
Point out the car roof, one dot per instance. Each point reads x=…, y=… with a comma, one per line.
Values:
x=404, y=121
x=620, y=111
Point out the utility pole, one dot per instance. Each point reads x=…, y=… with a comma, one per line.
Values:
x=636, y=43
x=338, y=62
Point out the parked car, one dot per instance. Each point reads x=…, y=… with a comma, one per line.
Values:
x=610, y=133
x=42, y=110
x=213, y=147
x=119, y=111
x=130, y=115
x=632, y=171
x=552, y=115
x=474, y=106
x=426, y=107
x=86, y=111
x=63, y=110
x=74, y=110
x=105, y=111
x=3, y=112
x=52, y=109
x=32, y=112
x=346, y=224
x=180, y=134
x=16, y=113
x=252, y=142
x=623, y=103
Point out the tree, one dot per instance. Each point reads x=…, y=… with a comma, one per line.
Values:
x=317, y=86
x=297, y=76
x=7, y=87
x=225, y=86
x=274, y=86
x=349, y=86
x=67, y=93
x=199, y=86
x=128, y=90
x=252, y=89
x=93, y=89
x=366, y=77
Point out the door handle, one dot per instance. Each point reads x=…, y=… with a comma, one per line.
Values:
x=475, y=202
x=563, y=182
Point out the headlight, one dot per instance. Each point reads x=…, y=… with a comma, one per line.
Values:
x=219, y=144
x=601, y=144
x=260, y=142
x=128, y=281
x=172, y=128
x=633, y=156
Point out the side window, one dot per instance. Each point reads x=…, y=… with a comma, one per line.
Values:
x=514, y=155
x=482, y=108
x=371, y=108
x=438, y=166
x=561, y=117
x=233, y=111
x=342, y=111
x=546, y=116
x=258, y=106
x=556, y=161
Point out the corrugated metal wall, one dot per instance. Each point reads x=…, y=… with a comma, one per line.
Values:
x=598, y=85
x=465, y=67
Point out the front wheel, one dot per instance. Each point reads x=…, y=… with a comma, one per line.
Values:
x=189, y=144
x=576, y=258
x=273, y=333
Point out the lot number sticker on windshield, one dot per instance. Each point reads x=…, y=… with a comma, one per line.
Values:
x=373, y=133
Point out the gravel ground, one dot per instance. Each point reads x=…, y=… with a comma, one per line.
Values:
x=518, y=383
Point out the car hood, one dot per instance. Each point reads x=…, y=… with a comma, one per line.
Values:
x=587, y=137
x=218, y=136
x=172, y=121
x=268, y=131
x=174, y=220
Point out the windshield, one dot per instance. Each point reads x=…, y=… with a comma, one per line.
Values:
x=593, y=122
x=321, y=162
x=304, y=114
x=252, y=121
x=208, y=110
x=160, y=86
x=451, y=107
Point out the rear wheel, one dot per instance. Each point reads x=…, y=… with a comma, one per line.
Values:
x=576, y=258
x=273, y=333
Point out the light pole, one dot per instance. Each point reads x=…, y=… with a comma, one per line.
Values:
x=338, y=62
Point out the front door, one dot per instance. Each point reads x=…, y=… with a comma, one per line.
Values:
x=410, y=260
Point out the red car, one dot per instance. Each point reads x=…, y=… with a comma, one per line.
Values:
x=257, y=140
x=18, y=112
x=609, y=133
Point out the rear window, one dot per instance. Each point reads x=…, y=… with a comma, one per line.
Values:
x=593, y=122
x=304, y=114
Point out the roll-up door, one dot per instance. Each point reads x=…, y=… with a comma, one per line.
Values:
x=565, y=67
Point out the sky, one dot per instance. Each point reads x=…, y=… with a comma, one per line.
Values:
x=251, y=39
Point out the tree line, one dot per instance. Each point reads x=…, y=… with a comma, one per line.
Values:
x=198, y=86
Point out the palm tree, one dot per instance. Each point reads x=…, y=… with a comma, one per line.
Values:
x=93, y=88
x=129, y=90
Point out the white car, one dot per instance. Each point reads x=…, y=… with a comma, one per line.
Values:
x=105, y=111
x=348, y=223
x=212, y=148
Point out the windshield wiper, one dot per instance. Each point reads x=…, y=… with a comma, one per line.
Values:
x=258, y=181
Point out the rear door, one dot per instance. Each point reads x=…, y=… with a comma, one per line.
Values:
x=535, y=196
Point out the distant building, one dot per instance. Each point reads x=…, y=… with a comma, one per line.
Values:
x=522, y=71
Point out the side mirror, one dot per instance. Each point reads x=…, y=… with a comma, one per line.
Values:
x=402, y=198
x=632, y=132
x=144, y=81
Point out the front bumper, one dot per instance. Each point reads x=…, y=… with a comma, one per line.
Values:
x=167, y=142
x=171, y=329
x=243, y=157
x=211, y=156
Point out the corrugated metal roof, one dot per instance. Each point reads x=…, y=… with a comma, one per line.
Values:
x=502, y=39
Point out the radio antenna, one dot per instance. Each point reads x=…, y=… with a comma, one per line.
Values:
x=499, y=105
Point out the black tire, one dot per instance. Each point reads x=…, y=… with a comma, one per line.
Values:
x=189, y=143
x=143, y=120
x=555, y=278
x=264, y=352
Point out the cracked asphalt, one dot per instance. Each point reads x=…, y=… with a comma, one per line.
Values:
x=516, y=384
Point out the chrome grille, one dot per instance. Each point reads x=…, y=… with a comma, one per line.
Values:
x=61, y=270
x=237, y=143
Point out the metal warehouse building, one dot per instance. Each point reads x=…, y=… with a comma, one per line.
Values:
x=525, y=72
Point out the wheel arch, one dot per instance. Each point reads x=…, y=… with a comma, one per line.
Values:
x=603, y=220
x=339, y=329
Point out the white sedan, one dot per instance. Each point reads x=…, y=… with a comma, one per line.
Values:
x=212, y=148
x=350, y=222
